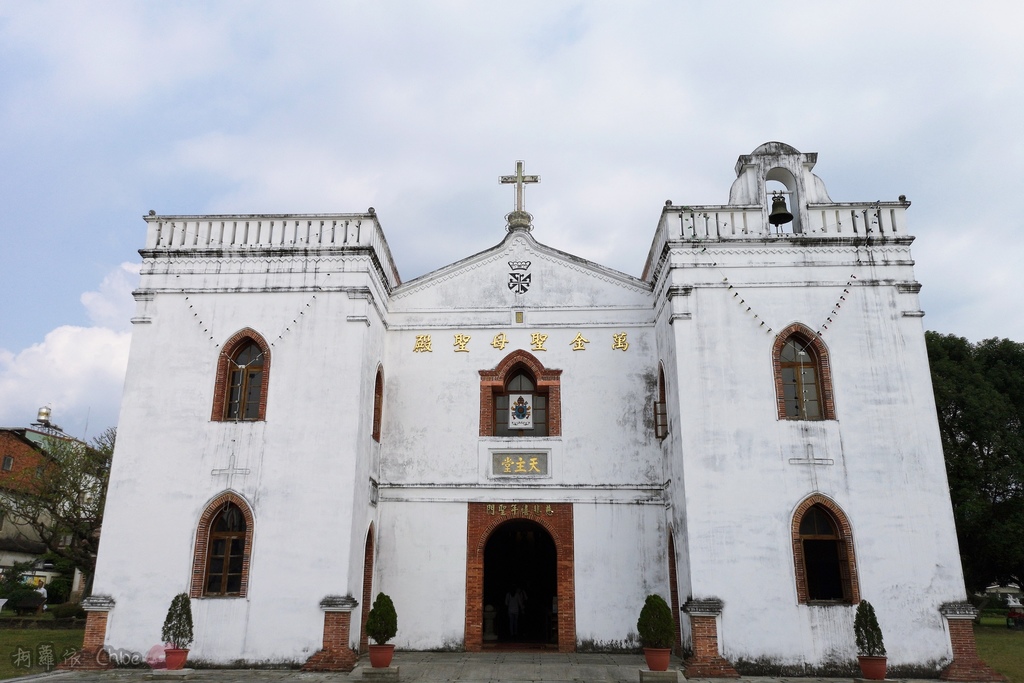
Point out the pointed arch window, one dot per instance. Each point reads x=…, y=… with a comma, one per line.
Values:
x=378, y=403
x=223, y=548
x=661, y=407
x=243, y=371
x=520, y=398
x=803, y=380
x=523, y=398
x=823, y=554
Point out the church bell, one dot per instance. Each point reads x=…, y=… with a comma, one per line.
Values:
x=779, y=214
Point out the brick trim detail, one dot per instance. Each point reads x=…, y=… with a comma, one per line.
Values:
x=92, y=656
x=706, y=662
x=966, y=665
x=828, y=403
x=220, y=386
x=480, y=525
x=199, y=558
x=364, y=614
x=493, y=381
x=335, y=655
x=847, y=556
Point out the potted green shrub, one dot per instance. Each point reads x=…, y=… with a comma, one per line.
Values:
x=657, y=632
x=177, y=631
x=870, y=649
x=382, y=625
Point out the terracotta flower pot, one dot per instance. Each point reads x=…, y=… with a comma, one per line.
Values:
x=657, y=658
x=175, y=658
x=380, y=656
x=873, y=668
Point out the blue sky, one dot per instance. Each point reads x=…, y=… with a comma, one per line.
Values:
x=110, y=109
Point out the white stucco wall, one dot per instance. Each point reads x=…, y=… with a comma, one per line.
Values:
x=422, y=567
x=886, y=471
x=617, y=569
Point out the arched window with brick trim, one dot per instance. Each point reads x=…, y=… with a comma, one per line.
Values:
x=220, y=567
x=661, y=406
x=520, y=375
x=243, y=375
x=824, y=561
x=803, y=379
x=378, y=403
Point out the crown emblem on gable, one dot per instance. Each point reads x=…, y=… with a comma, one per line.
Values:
x=519, y=265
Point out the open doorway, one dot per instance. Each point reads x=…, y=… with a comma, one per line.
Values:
x=520, y=560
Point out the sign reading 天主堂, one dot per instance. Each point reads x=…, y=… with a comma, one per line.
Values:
x=519, y=464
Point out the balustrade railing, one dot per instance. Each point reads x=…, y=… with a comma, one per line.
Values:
x=689, y=223
x=285, y=232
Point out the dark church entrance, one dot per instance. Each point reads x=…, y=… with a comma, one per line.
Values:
x=520, y=559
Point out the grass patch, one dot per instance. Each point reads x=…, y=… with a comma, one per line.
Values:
x=25, y=651
x=1002, y=649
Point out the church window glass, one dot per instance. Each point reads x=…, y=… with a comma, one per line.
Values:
x=378, y=403
x=823, y=552
x=226, y=551
x=521, y=384
x=242, y=379
x=223, y=549
x=802, y=376
x=244, y=384
x=661, y=408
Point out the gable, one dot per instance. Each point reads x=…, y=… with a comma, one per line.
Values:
x=521, y=272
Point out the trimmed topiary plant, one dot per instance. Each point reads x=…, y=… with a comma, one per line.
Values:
x=867, y=631
x=177, y=628
x=870, y=650
x=655, y=625
x=382, y=624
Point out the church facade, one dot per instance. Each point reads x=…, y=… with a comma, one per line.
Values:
x=746, y=429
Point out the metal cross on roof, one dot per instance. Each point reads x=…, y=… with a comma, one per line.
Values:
x=519, y=179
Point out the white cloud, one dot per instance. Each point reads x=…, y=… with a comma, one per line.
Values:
x=77, y=371
x=112, y=306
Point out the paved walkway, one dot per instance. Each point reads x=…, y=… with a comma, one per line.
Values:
x=429, y=667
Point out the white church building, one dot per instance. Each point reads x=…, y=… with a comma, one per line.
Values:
x=747, y=429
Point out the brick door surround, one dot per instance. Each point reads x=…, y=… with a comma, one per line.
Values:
x=483, y=520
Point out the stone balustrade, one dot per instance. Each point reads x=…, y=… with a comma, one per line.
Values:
x=727, y=222
x=282, y=232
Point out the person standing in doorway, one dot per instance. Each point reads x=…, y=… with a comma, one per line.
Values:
x=515, y=601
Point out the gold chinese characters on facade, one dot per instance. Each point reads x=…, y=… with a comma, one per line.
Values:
x=538, y=341
x=520, y=510
x=519, y=464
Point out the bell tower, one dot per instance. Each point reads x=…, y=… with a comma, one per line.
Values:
x=773, y=170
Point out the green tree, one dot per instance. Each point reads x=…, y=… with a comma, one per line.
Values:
x=62, y=502
x=979, y=394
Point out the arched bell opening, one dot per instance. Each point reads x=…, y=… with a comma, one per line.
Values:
x=782, y=201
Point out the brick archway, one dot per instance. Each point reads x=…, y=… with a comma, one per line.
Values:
x=483, y=519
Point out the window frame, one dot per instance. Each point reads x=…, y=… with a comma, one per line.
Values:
x=225, y=368
x=845, y=547
x=493, y=383
x=661, y=426
x=501, y=406
x=378, y=404
x=205, y=535
x=819, y=355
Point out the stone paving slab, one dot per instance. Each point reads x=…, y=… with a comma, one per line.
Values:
x=435, y=667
